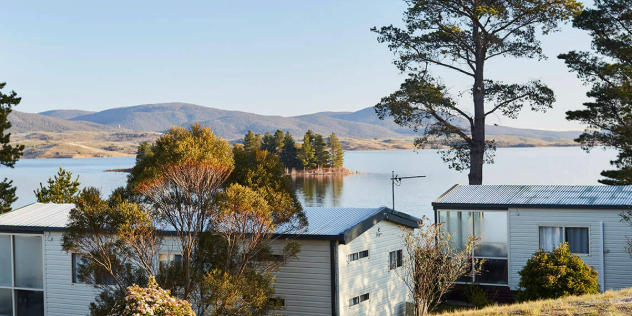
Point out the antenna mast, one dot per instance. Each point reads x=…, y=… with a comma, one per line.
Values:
x=397, y=180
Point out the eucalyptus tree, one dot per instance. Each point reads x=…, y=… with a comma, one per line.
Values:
x=462, y=36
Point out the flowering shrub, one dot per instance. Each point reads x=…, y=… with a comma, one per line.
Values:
x=556, y=274
x=154, y=301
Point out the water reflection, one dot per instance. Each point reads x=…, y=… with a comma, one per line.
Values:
x=319, y=190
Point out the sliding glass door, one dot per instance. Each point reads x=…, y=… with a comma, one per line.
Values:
x=21, y=275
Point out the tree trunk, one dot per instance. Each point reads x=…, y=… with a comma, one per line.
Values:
x=477, y=148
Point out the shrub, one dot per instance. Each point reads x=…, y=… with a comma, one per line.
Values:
x=477, y=296
x=154, y=301
x=556, y=274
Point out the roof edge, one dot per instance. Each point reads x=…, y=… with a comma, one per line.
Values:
x=445, y=193
x=383, y=213
x=473, y=206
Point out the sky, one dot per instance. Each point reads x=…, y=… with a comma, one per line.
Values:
x=275, y=57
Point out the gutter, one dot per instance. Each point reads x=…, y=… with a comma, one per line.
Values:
x=602, y=278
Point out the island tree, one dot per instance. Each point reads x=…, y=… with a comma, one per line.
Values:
x=461, y=36
x=335, y=150
x=306, y=154
x=9, y=154
x=608, y=69
x=320, y=151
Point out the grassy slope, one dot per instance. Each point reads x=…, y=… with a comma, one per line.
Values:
x=609, y=303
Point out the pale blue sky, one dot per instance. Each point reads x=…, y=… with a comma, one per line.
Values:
x=281, y=57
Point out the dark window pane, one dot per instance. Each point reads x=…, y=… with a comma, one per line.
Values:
x=77, y=260
x=392, y=260
x=5, y=262
x=6, y=302
x=364, y=297
x=577, y=239
x=467, y=277
x=494, y=271
x=363, y=254
x=399, y=258
x=29, y=303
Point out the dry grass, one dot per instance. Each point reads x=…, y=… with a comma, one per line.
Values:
x=609, y=303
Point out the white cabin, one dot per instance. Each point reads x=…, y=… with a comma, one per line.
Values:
x=514, y=221
x=347, y=265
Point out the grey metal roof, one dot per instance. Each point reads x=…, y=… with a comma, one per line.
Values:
x=341, y=223
x=585, y=196
x=38, y=215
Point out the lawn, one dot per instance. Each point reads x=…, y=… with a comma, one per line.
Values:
x=609, y=303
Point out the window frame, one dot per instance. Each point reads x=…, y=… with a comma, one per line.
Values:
x=588, y=226
x=399, y=259
x=13, y=288
x=359, y=298
x=473, y=258
x=281, y=299
x=355, y=256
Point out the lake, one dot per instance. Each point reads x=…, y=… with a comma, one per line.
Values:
x=371, y=187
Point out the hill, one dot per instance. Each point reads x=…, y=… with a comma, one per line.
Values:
x=362, y=124
x=66, y=114
x=29, y=122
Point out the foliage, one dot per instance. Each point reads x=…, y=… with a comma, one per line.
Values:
x=263, y=171
x=7, y=195
x=289, y=155
x=626, y=216
x=556, y=274
x=476, y=295
x=144, y=151
x=432, y=264
x=153, y=301
x=320, y=151
x=222, y=228
x=306, y=154
x=462, y=37
x=609, y=70
x=9, y=154
x=61, y=188
x=181, y=146
x=251, y=142
x=335, y=150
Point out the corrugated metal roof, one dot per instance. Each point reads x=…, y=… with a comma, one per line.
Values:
x=335, y=221
x=563, y=195
x=322, y=221
x=38, y=215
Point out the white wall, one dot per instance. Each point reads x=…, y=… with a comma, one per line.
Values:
x=387, y=291
x=62, y=297
x=524, y=240
x=305, y=283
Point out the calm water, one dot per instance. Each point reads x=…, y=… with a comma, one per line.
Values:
x=370, y=188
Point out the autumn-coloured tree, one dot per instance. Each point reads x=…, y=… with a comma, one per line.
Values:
x=432, y=264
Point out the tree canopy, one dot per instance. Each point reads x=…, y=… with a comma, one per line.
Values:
x=461, y=36
x=61, y=188
x=608, y=69
x=9, y=154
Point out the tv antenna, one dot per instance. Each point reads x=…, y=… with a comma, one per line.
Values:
x=397, y=180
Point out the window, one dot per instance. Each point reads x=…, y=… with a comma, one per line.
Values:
x=278, y=301
x=576, y=237
x=357, y=255
x=395, y=259
x=77, y=260
x=169, y=258
x=358, y=299
x=492, y=247
x=21, y=275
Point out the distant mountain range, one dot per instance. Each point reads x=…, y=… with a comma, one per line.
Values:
x=233, y=124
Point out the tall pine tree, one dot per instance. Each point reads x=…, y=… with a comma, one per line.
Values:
x=320, y=151
x=9, y=154
x=335, y=150
x=289, y=155
x=250, y=141
x=308, y=160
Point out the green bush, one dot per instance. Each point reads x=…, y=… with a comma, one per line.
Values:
x=477, y=296
x=556, y=274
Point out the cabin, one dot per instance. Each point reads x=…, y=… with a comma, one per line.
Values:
x=347, y=265
x=514, y=221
